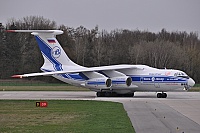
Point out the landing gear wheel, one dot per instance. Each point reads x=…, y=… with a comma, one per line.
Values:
x=107, y=94
x=131, y=95
x=113, y=94
x=161, y=95
x=100, y=94
x=164, y=95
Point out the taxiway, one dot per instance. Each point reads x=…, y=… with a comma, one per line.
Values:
x=179, y=112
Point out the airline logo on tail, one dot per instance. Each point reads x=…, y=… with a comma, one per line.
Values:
x=56, y=52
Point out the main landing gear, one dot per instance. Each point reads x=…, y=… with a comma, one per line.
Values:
x=162, y=95
x=113, y=94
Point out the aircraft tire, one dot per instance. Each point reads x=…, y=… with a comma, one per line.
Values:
x=126, y=95
x=159, y=95
x=113, y=94
x=130, y=95
x=164, y=95
x=107, y=94
x=100, y=94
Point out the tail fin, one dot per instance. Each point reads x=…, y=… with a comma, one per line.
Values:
x=54, y=56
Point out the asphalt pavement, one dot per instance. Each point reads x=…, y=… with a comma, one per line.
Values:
x=178, y=113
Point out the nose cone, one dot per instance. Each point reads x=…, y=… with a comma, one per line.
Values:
x=191, y=82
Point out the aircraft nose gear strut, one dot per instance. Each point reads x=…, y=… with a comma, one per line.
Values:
x=162, y=95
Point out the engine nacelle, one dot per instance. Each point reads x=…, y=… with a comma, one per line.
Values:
x=99, y=83
x=123, y=81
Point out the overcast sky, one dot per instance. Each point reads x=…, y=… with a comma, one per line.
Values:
x=151, y=15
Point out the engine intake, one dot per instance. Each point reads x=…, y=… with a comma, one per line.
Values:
x=129, y=81
x=108, y=83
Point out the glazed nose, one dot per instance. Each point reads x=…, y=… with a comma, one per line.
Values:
x=191, y=82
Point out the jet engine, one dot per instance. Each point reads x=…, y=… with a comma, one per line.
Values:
x=123, y=81
x=99, y=83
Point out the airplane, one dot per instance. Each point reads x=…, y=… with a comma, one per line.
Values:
x=106, y=81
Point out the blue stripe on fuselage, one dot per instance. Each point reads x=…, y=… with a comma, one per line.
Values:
x=159, y=79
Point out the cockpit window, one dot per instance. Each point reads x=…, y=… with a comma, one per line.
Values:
x=181, y=74
x=187, y=77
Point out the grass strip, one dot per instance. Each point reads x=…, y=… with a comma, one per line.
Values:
x=194, y=89
x=32, y=84
x=42, y=88
x=64, y=116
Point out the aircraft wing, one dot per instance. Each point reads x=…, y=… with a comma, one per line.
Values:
x=91, y=69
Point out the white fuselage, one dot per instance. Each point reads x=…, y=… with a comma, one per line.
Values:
x=144, y=79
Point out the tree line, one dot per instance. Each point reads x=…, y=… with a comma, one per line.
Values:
x=92, y=47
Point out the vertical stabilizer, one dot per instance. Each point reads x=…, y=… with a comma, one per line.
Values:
x=55, y=58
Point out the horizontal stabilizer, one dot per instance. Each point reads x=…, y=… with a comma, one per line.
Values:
x=55, y=32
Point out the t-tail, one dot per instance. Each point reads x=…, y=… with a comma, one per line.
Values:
x=55, y=58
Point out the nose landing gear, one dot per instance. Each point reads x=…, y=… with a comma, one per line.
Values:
x=162, y=95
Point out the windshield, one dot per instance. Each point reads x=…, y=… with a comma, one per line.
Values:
x=181, y=74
